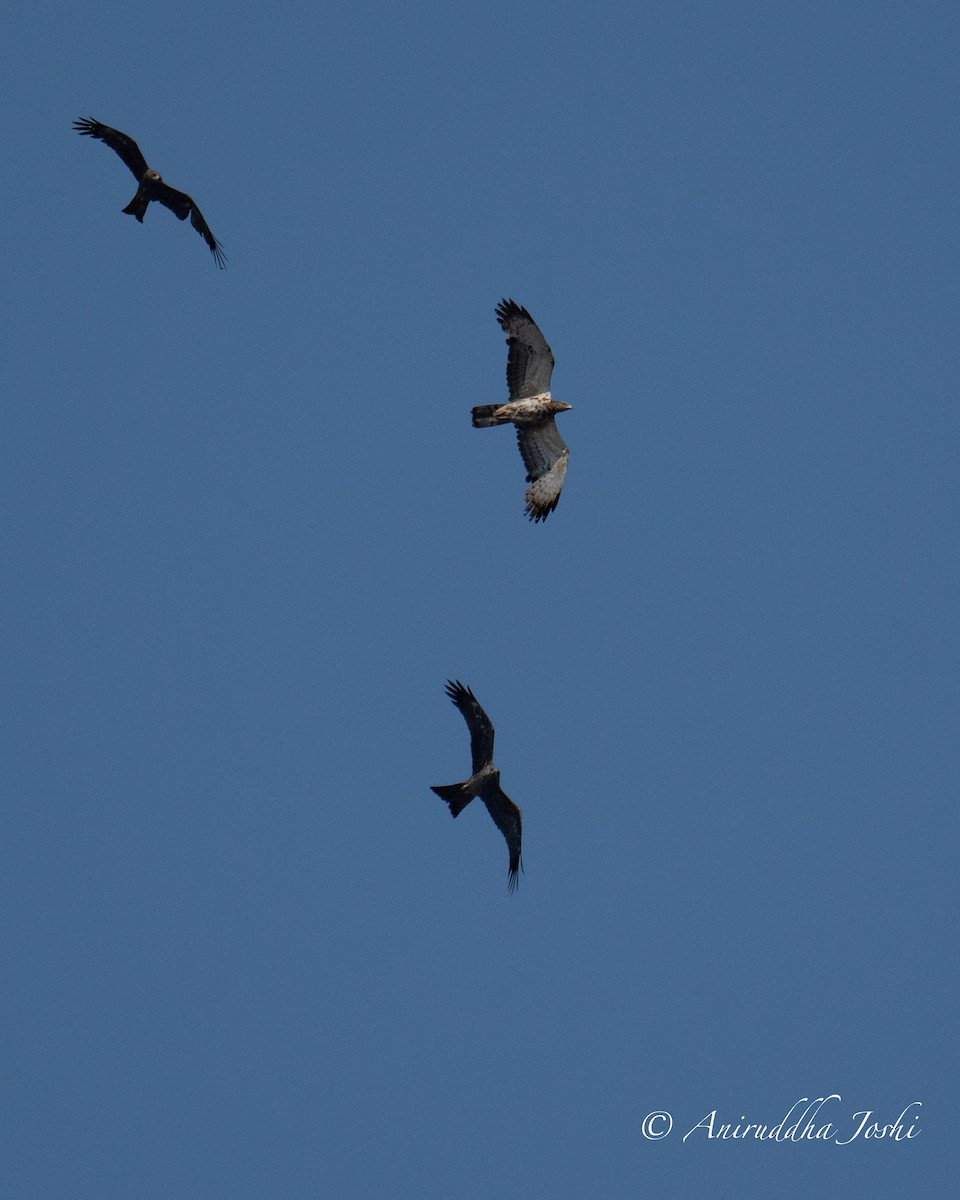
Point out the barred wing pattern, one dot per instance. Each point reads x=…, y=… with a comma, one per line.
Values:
x=529, y=358
x=545, y=455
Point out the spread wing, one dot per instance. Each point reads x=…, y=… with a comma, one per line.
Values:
x=125, y=146
x=479, y=724
x=545, y=455
x=509, y=820
x=529, y=359
x=185, y=206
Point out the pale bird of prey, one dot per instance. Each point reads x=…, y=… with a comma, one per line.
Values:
x=485, y=779
x=530, y=409
x=149, y=184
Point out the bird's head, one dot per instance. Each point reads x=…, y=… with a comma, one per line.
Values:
x=152, y=175
x=560, y=406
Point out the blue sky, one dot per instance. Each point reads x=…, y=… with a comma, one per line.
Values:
x=249, y=532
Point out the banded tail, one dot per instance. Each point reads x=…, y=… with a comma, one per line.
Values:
x=483, y=416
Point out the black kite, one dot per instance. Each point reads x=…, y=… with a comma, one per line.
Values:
x=485, y=780
x=150, y=185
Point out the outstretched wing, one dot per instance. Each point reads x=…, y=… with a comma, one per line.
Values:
x=125, y=146
x=185, y=206
x=545, y=455
x=529, y=359
x=479, y=724
x=509, y=820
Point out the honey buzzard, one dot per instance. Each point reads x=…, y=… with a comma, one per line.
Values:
x=530, y=409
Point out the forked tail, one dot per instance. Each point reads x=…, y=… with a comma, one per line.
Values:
x=138, y=205
x=454, y=795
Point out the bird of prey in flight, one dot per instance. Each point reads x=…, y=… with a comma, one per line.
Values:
x=530, y=409
x=149, y=184
x=485, y=778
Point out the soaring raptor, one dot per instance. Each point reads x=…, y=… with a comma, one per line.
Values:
x=485, y=780
x=529, y=367
x=149, y=184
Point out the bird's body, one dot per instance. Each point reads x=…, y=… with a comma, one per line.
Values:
x=150, y=184
x=531, y=409
x=484, y=783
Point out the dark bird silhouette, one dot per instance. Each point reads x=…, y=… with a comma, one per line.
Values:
x=485, y=780
x=531, y=410
x=149, y=184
